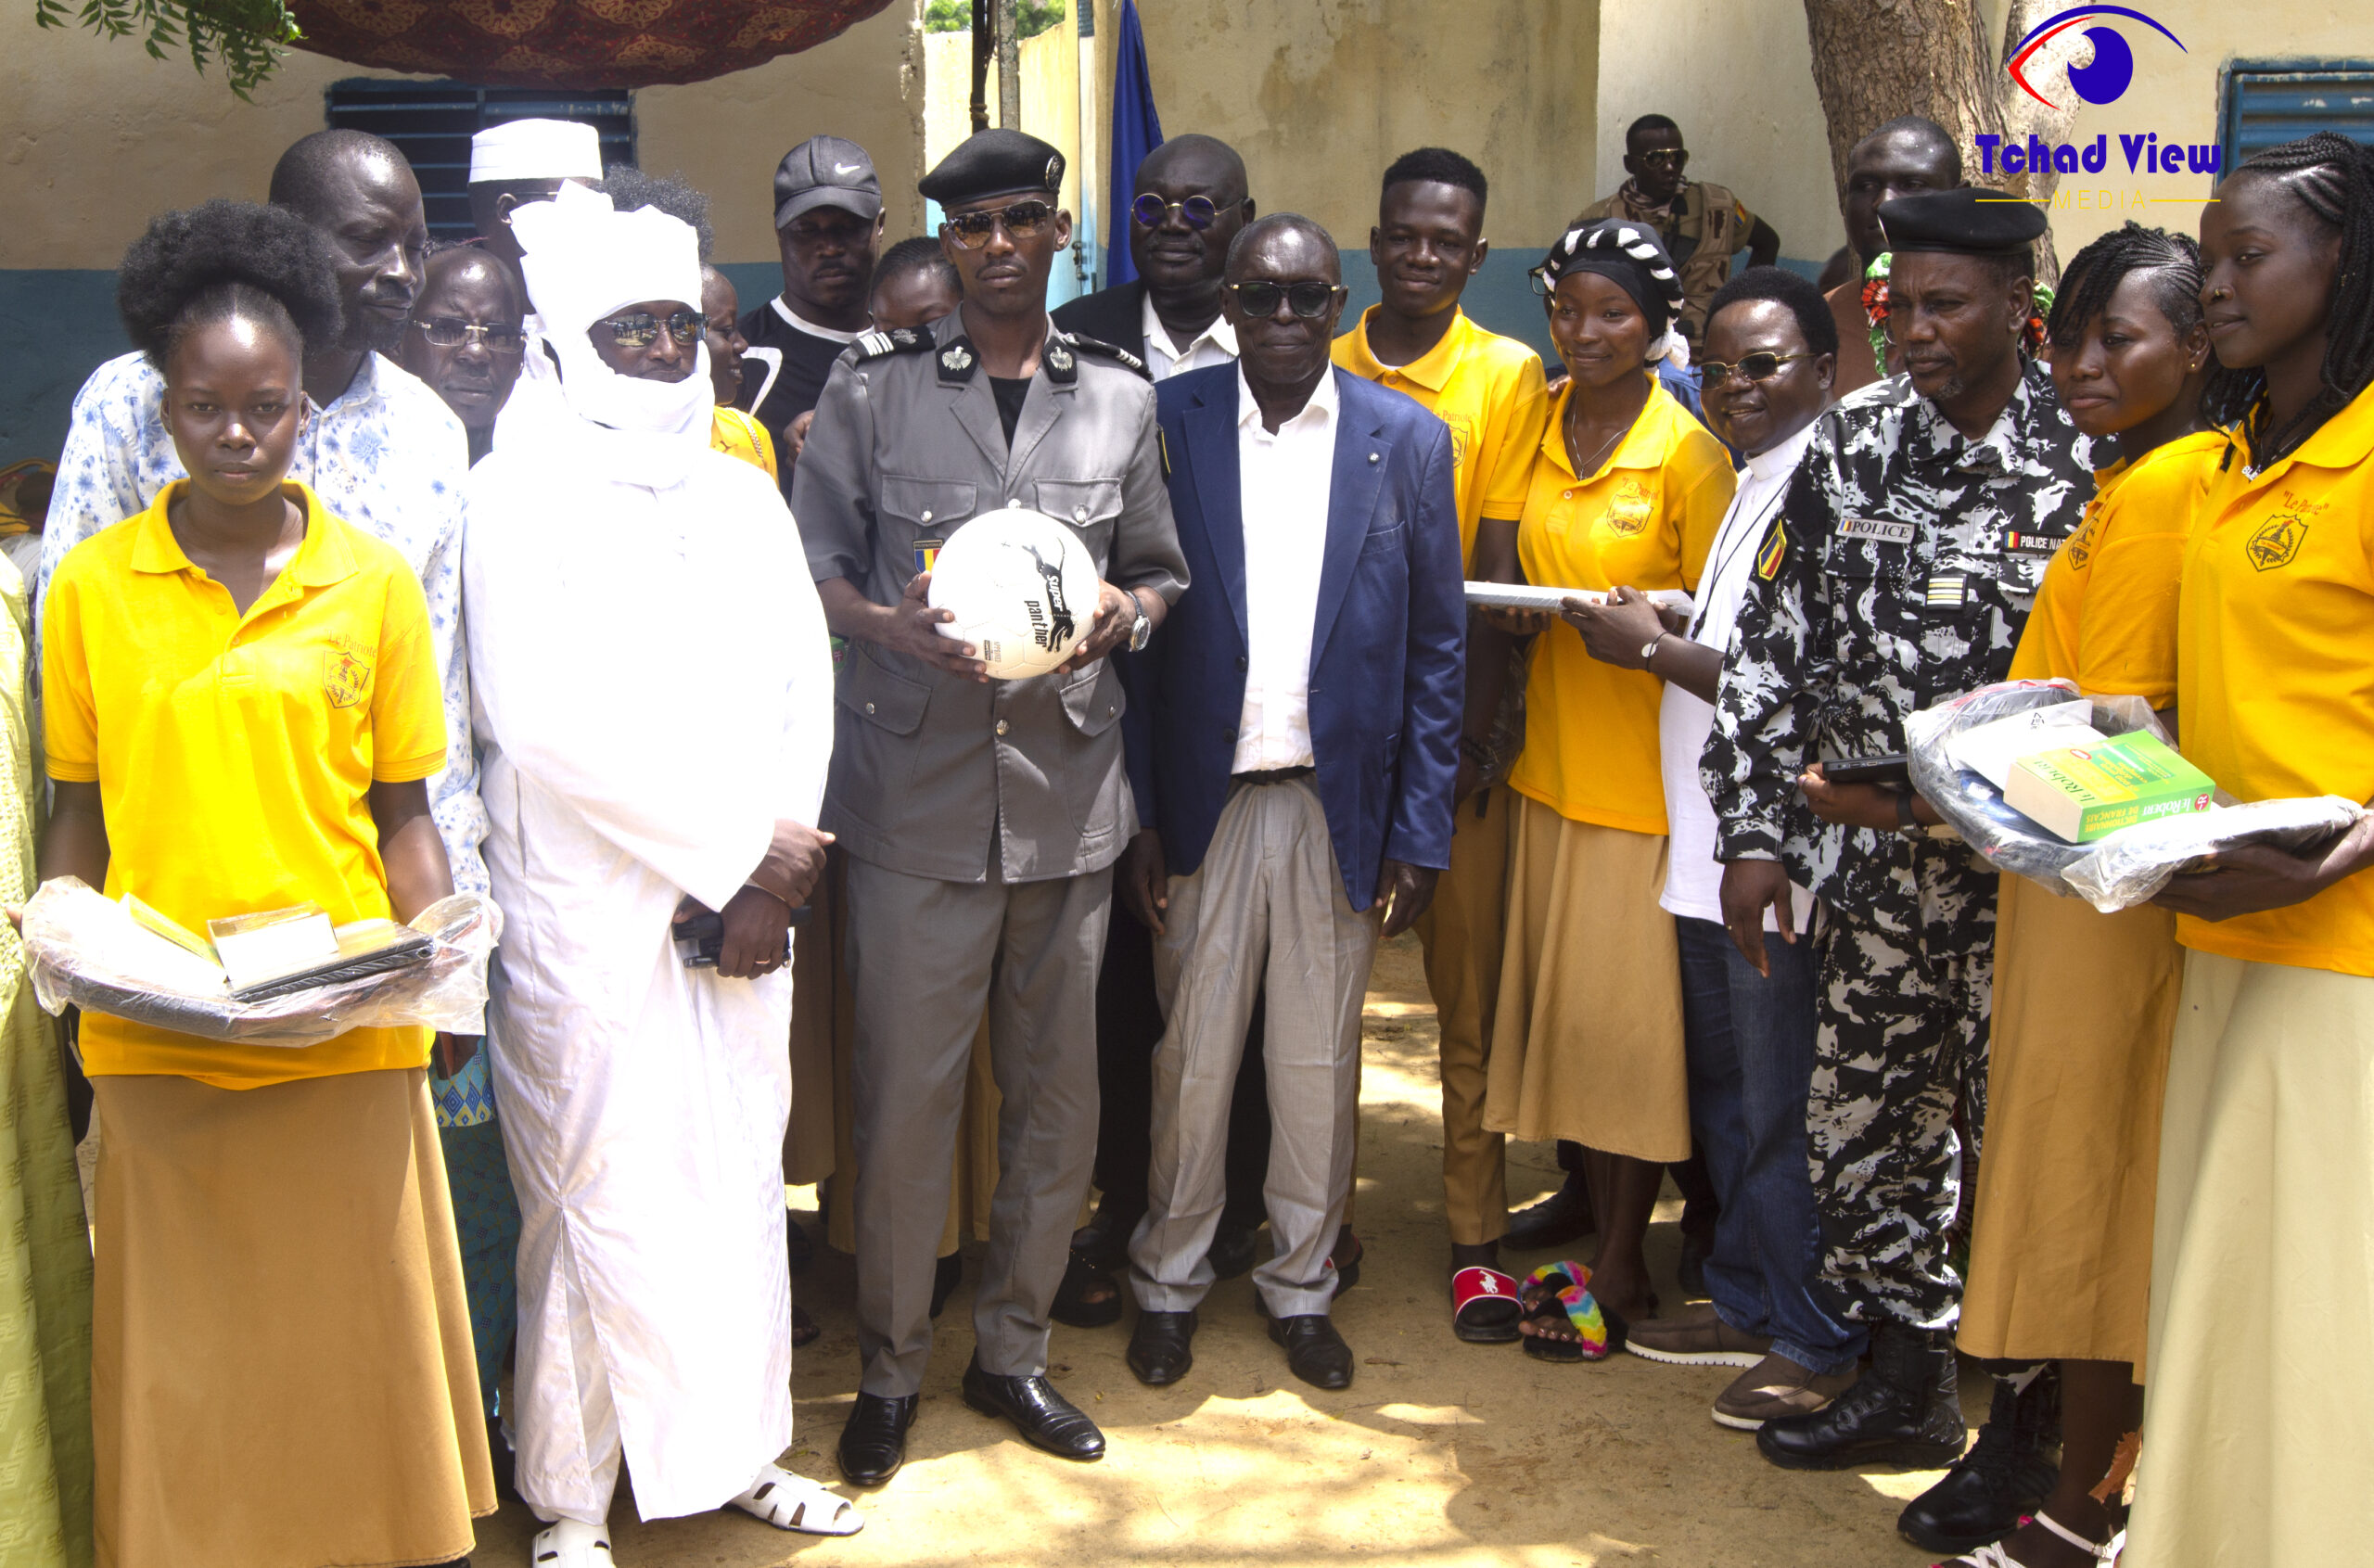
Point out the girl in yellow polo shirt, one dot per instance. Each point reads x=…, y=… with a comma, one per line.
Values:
x=2084, y=1003
x=1628, y=489
x=242, y=713
x=2261, y=1370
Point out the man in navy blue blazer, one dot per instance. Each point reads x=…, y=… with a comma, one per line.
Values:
x=1292, y=736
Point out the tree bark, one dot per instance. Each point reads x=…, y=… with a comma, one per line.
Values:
x=1877, y=60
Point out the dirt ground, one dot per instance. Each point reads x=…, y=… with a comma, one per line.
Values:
x=1440, y=1453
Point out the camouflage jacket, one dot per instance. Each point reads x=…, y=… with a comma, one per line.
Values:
x=1899, y=571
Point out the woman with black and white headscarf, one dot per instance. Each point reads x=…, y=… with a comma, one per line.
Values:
x=1628, y=492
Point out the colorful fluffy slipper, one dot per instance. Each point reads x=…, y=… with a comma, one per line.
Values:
x=1567, y=1323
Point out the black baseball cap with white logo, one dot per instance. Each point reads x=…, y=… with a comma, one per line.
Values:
x=826, y=172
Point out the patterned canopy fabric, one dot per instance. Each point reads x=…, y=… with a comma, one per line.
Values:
x=578, y=43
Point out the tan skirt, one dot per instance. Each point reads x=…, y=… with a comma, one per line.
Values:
x=1587, y=1037
x=2061, y=1248
x=281, y=1366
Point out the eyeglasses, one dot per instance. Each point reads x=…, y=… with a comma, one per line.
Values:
x=448, y=332
x=641, y=330
x=1149, y=209
x=1756, y=367
x=1022, y=221
x=1308, y=300
x=1665, y=156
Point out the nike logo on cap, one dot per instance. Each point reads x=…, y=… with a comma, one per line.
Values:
x=845, y=168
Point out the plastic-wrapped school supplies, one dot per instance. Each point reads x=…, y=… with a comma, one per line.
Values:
x=88, y=949
x=2124, y=868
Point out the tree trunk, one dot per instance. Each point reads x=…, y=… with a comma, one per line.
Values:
x=1009, y=68
x=1876, y=59
x=984, y=46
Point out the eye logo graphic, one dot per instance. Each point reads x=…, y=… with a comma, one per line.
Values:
x=2102, y=79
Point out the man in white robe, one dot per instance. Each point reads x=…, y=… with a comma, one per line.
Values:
x=653, y=698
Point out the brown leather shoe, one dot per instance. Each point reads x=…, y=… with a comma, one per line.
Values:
x=1775, y=1387
x=1696, y=1337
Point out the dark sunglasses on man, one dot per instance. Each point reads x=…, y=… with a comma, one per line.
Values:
x=641, y=329
x=1022, y=220
x=1309, y=300
x=1150, y=211
x=1756, y=367
x=450, y=332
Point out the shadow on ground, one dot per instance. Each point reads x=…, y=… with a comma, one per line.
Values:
x=1439, y=1453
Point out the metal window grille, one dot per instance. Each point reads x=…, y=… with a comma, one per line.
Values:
x=2266, y=103
x=432, y=122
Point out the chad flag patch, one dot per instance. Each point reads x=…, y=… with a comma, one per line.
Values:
x=926, y=552
x=1775, y=551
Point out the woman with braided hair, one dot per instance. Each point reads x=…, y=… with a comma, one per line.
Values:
x=2260, y=1376
x=2084, y=1003
x=1628, y=492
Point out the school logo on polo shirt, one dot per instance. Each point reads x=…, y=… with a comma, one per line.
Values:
x=346, y=672
x=2276, y=542
x=1461, y=438
x=1629, y=513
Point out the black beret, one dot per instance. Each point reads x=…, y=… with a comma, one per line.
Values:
x=998, y=162
x=1973, y=219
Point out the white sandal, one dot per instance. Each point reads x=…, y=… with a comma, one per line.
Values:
x=572, y=1543
x=1992, y=1554
x=794, y=1502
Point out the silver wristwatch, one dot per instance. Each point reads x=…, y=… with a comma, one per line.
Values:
x=1141, y=628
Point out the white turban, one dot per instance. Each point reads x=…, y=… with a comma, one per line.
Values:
x=585, y=260
x=536, y=149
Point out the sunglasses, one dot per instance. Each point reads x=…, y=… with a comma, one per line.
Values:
x=447, y=332
x=1024, y=220
x=1308, y=300
x=1149, y=209
x=641, y=330
x=1756, y=367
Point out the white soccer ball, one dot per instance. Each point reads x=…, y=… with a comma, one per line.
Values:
x=1022, y=588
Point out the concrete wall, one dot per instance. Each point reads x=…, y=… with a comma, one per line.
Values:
x=99, y=137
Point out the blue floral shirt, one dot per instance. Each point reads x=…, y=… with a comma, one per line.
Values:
x=387, y=456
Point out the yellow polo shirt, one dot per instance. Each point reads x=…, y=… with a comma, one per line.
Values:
x=1644, y=520
x=2274, y=666
x=233, y=754
x=1488, y=390
x=735, y=434
x=2105, y=615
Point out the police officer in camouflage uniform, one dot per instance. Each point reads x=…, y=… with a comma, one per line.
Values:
x=1899, y=572
x=982, y=817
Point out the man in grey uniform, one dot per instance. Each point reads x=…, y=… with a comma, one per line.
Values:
x=982, y=817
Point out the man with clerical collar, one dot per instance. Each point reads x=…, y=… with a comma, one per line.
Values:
x=1906, y=157
x=828, y=219
x=981, y=818
x=1700, y=224
x=1900, y=571
x=1192, y=201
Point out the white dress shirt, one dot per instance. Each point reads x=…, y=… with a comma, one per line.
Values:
x=1694, y=877
x=1286, y=481
x=1215, y=345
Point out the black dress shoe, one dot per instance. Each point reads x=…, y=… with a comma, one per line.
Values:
x=1232, y=1250
x=1315, y=1352
x=874, y=1441
x=1162, y=1346
x=1044, y=1417
x=1902, y=1412
x=2004, y=1476
x=1564, y=1216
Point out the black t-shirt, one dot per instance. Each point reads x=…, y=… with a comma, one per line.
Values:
x=1009, y=391
x=784, y=373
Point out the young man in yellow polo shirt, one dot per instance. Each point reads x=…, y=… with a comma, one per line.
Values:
x=1427, y=243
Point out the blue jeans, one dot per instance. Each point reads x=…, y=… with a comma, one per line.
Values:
x=1749, y=1044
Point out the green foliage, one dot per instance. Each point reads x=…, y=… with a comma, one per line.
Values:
x=244, y=36
x=1032, y=17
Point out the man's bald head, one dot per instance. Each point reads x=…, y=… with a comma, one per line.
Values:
x=1909, y=156
x=1197, y=159
x=1281, y=235
x=316, y=171
x=359, y=191
x=1922, y=136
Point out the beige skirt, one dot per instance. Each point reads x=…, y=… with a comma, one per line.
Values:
x=1587, y=1039
x=2061, y=1248
x=281, y=1367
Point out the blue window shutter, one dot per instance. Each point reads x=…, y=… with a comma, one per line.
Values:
x=2266, y=103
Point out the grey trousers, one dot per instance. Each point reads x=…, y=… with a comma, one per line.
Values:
x=1266, y=905
x=925, y=957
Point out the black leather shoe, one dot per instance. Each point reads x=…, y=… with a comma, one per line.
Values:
x=2004, y=1475
x=873, y=1440
x=1315, y=1352
x=1043, y=1416
x=1903, y=1412
x=1162, y=1346
x=1564, y=1216
x=1232, y=1249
